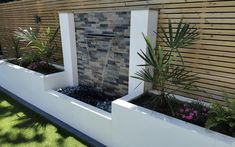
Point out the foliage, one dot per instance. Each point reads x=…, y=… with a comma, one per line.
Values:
x=164, y=63
x=222, y=117
x=16, y=47
x=184, y=36
x=43, y=44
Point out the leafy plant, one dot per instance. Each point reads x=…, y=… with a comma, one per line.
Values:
x=43, y=44
x=222, y=118
x=165, y=70
x=184, y=36
x=16, y=47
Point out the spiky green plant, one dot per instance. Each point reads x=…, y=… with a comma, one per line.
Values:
x=16, y=47
x=43, y=44
x=164, y=70
x=184, y=35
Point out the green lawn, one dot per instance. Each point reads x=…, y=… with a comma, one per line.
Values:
x=20, y=127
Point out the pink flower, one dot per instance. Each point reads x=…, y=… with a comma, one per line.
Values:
x=191, y=114
x=183, y=116
x=189, y=117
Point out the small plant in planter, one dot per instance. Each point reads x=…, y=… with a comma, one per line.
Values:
x=16, y=47
x=166, y=66
x=222, y=118
x=42, y=47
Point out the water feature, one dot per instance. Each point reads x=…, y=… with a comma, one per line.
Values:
x=103, y=41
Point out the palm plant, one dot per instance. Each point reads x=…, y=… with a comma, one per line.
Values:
x=42, y=43
x=185, y=35
x=164, y=64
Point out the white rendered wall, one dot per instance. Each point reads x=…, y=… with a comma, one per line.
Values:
x=68, y=39
x=135, y=126
x=142, y=21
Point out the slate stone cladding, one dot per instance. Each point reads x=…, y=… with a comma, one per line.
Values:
x=103, y=40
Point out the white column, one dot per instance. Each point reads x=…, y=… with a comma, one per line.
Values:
x=142, y=21
x=68, y=39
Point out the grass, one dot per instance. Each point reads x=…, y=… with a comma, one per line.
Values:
x=21, y=127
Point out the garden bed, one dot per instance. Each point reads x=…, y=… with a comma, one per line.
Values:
x=40, y=66
x=157, y=129
x=195, y=112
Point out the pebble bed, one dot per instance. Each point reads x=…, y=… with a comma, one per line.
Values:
x=90, y=95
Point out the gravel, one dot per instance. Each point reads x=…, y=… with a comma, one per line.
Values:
x=90, y=95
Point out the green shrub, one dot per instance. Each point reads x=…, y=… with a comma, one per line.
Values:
x=42, y=44
x=222, y=118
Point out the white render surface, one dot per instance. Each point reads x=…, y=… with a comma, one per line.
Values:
x=67, y=27
x=135, y=126
x=88, y=119
x=128, y=125
x=28, y=84
x=142, y=21
x=37, y=89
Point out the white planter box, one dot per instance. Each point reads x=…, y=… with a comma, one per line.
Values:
x=37, y=89
x=128, y=125
x=136, y=126
x=88, y=119
x=28, y=84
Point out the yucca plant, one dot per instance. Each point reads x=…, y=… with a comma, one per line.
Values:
x=164, y=70
x=184, y=35
x=43, y=44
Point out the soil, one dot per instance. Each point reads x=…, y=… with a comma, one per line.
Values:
x=90, y=95
x=153, y=102
x=50, y=69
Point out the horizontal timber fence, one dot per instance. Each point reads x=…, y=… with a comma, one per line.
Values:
x=212, y=57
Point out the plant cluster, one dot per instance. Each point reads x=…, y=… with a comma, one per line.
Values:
x=40, y=47
x=42, y=43
x=165, y=68
x=222, y=118
x=195, y=113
